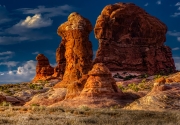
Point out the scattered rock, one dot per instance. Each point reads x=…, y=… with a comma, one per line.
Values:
x=48, y=98
x=130, y=39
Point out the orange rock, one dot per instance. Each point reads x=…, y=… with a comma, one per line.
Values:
x=132, y=40
x=161, y=80
x=61, y=61
x=100, y=90
x=100, y=82
x=78, y=49
x=43, y=69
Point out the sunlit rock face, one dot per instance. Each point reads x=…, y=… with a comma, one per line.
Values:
x=75, y=49
x=43, y=69
x=131, y=39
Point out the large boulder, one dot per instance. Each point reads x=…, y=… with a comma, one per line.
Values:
x=132, y=40
x=43, y=69
x=75, y=48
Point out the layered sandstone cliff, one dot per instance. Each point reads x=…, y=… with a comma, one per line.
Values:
x=132, y=40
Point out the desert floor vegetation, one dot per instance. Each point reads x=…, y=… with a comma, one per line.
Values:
x=39, y=115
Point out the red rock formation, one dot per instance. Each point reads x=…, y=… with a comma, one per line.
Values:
x=131, y=39
x=43, y=69
x=100, y=82
x=61, y=60
x=75, y=48
x=100, y=90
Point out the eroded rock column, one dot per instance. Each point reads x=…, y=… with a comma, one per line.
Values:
x=78, y=49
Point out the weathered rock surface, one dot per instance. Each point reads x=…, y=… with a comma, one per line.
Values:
x=100, y=82
x=43, y=69
x=61, y=61
x=2, y=98
x=48, y=98
x=100, y=90
x=132, y=40
x=162, y=97
x=75, y=48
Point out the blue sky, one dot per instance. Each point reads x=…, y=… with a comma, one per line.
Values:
x=29, y=27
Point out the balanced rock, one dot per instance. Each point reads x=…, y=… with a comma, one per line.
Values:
x=76, y=49
x=43, y=69
x=132, y=40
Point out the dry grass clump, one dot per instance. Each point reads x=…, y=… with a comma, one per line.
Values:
x=39, y=115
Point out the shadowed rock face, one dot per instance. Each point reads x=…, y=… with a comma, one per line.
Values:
x=2, y=98
x=61, y=61
x=75, y=49
x=43, y=69
x=131, y=39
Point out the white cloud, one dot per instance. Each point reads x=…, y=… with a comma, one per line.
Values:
x=35, y=21
x=9, y=63
x=6, y=40
x=4, y=15
x=24, y=73
x=49, y=12
x=177, y=4
x=176, y=58
x=6, y=53
x=177, y=66
x=176, y=48
x=5, y=58
x=177, y=62
x=50, y=52
x=178, y=8
x=35, y=53
x=158, y=2
x=146, y=4
x=175, y=15
x=178, y=38
x=173, y=33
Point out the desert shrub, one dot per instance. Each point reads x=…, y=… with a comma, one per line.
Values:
x=143, y=76
x=133, y=87
x=121, y=87
x=129, y=77
x=4, y=103
x=157, y=76
x=117, y=75
x=35, y=86
x=84, y=108
x=34, y=104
